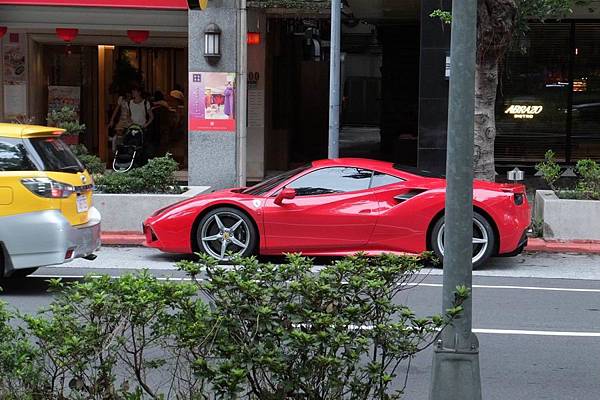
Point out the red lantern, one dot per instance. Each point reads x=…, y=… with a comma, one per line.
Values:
x=253, y=38
x=67, y=34
x=138, y=37
x=3, y=30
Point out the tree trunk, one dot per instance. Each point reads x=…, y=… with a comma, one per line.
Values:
x=486, y=84
x=495, y=24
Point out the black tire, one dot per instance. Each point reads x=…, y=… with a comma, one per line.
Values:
x=22, y=273
x=15, y=274
x=245, y=233
x=479, y=223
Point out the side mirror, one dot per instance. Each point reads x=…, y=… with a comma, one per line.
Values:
x=285, y=194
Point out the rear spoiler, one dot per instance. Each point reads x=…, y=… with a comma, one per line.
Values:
x=516, y=188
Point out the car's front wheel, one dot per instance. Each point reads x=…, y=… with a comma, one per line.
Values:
x=484, y=239
x=226, y=231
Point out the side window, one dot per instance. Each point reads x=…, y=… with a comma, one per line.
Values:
x=381, y=179
x=332, y=180
x=13, y=156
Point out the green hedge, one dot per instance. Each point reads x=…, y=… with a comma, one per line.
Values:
x=157, y=176
x=250, y=331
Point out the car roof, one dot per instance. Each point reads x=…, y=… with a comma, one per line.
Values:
x=380, y=166
x=19, y=131
x=354, y=162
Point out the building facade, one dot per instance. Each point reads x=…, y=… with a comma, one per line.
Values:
x=394, y=79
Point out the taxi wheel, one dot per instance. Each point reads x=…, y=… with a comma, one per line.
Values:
x=17, y=274
x=22, y=273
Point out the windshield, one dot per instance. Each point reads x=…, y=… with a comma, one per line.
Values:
x=271, y=183
x=55, y=156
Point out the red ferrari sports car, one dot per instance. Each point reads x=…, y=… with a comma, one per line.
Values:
x=339, y=207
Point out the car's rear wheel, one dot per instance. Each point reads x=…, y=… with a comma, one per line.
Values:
x=484, y=239
x=22, y=273
x=226, y=231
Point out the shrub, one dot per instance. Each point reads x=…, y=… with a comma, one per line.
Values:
x=104, y=338
x=92, y=163
x=589, y=179
x=157, y=176
x=66, y=118
x=21, y=373
x=549, y=169
x=268, y=332
x=287, y=332
x=588, y=183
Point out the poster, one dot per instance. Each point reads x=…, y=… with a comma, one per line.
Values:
x=15, y=101
x=212, y=101
x=15, y=70
x=61, y=96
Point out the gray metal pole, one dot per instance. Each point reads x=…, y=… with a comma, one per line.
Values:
x=242, y=91
x=455, y=372
x=333, y=149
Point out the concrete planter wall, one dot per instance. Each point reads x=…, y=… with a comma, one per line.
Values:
x=126, y=212
x=567, y=219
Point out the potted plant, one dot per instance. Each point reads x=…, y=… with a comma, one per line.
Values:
x=67, y=118
x=569, y=212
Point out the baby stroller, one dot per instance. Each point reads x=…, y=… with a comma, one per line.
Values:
x=130, y=153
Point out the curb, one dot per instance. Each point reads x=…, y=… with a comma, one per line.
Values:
x=122, y=239
x=559, y=246
x=535, y=245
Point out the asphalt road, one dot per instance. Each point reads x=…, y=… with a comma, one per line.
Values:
x=537, y=317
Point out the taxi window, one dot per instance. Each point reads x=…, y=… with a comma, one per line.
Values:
x=14, y=156
x=55, y=155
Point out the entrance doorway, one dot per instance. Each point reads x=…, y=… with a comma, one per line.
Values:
x=380, y=91
x=90, y=78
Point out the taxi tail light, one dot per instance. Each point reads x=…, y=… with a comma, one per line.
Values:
x=48, y=188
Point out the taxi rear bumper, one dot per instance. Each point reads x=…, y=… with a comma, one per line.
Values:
x=46, y=238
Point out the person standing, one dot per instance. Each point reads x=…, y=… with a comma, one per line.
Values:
x=140, y=109
x=123, y=122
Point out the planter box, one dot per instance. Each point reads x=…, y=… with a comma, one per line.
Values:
x=126, y=212
x=567, y=219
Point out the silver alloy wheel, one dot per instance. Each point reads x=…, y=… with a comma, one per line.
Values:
x=217, y=238
x=480, y=240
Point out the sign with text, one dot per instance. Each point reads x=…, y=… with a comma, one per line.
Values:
x=212, y=101
x=523, y=111
x=156, y=4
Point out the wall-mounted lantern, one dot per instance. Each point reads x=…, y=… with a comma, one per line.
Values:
x=212, y=42
x=138, y=36
x=67, y=34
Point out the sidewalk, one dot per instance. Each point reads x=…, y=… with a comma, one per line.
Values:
x=535, y=245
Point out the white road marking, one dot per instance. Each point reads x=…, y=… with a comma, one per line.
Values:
x=521, y=332
x=550, y=289
x=499, y=287
x=160, y=278
x=536, y=333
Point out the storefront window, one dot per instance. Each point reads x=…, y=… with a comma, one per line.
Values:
x=549, y=95
x=585, y=129
x=533, y=94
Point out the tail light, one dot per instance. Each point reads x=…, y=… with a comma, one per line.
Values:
x=45, y=187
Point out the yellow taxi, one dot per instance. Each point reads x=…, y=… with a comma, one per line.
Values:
x=46, y=213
